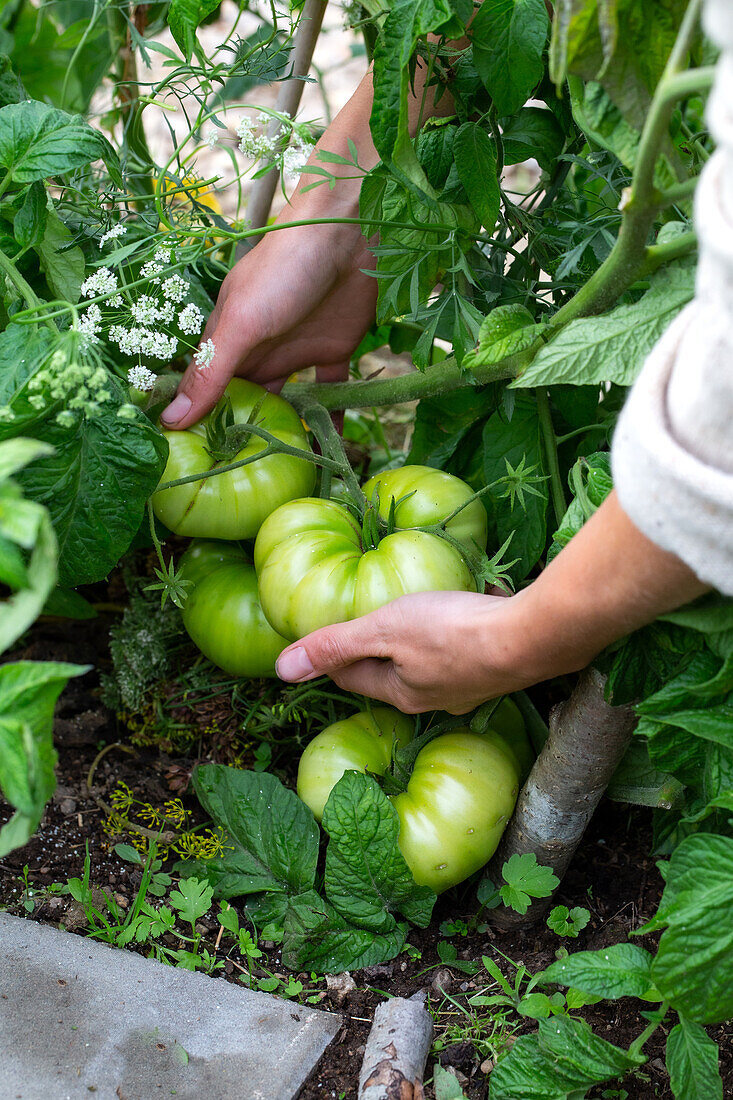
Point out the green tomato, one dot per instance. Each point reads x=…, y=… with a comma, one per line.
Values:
x=508, y=723
x=458, y=800
x=313, y=569
x=234, y=504
x=222, y=613
x=424, y=496
x=361, y=743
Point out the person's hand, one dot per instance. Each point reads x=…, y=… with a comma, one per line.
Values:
x=430, y=651
x=297, y=300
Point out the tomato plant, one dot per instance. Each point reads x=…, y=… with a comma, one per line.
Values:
x=315, y=567
x=233, y=504
x=530, y=244
x=222, y=613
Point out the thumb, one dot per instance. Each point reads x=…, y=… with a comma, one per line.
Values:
x=331, y=648
x=202, y=385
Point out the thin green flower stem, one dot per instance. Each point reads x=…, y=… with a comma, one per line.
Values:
x=25, y=289
x=332, y=445
x=550, y=444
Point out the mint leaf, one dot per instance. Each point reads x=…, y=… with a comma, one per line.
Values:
x=38, y=141
x=526, y=879
x=271, y=842
x=613, y=347
x=693, y=968
x=692, y=1063
x=623, y=970
x=366, y=875
x=318, y=938
x=508, y=37
x=567, y=922
x=561, y=1061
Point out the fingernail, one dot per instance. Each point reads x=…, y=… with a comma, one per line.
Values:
x=294, y=664
x=177, y=409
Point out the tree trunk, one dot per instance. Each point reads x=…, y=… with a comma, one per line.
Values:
x=396, y=1051
x=587, y=741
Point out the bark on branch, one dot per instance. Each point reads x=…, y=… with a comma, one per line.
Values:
x=587, y=740
x=396, y=1051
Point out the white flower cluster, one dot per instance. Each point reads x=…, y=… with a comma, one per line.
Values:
x=140, y=327
x=296, y=155
x=251, y=143
x=118, y=230
x=205, y=354
x=140, y=378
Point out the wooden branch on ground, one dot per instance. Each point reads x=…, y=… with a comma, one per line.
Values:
x=397, y=1050
x=587, y=741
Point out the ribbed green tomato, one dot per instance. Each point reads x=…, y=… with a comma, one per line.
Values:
x=458, y=800
x=313, y=570
x=222, y=613
x=509, y=724
x=424, y=496
x=234, y=504
x=361, y=743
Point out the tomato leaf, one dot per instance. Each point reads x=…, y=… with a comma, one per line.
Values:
x=184, y=17
x=366, y=875
x=38, y=141
x=475, y=155
x=271, y=843
x=693, y=968
x=318, y=938
x=95, y=486
x=560, y=1062
x=692, y=1063
x=613, y=347
x=508, y=37
x=28, y=694
x=622, y=970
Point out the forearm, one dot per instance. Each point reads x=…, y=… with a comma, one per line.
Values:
x=607, y=582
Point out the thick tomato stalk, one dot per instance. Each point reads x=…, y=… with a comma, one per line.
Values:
x=233, y=505
x=222, y=613
x=458, y=800
x=316, y=565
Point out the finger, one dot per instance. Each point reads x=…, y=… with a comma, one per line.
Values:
x=202, y=386
x=380, y=680
x=332, y=648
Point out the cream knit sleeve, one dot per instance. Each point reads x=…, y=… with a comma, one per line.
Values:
x=673, y=448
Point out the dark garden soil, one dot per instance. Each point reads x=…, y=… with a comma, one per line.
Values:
x=612, y=876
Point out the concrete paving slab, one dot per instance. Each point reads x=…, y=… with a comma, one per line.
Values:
x=79, y=1018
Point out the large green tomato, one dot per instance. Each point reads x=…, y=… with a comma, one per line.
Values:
x=222, y=613
x=361, y=743
x=424, y=496
x=234, y=504
x=313, y=569
x=509, y=724
x=458, y=801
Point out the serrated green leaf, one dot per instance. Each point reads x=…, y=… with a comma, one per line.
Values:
x=366, y=877
x=38, y=141
x=692, y=1063
x=475, y=156
x=318, y=938
x=184, y=17
x=505, y=331
x=445, y=1085
x=525, y=879
x=622, y=970
x=61, y=263
x=613, y=347
x=508, y=37
x=192, y=899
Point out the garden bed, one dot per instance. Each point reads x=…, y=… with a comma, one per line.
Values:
x=612, y=876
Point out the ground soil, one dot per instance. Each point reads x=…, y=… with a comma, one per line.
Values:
x=612, y=875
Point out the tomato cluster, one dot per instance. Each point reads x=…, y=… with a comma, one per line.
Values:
x=316, y=564
x=459, y=797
